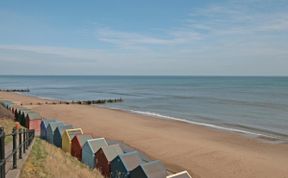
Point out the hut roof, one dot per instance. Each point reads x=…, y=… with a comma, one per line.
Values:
x=83, y=138
x=25, y=111
x=112, y=151
x=19, y=108
x=183, y=174
x=96, y=144
x=62, y=128
x=131, y=160
x=7, y=103
x=34, y=115
x=72, y=132
x=153, y=169
x=47, y=121
x=54, y=125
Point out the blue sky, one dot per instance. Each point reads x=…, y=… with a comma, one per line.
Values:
x=186, y=37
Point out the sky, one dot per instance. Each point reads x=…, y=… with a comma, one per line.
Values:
x=151, y=37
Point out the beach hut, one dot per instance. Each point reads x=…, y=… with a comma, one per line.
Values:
x=104, y=156
x=67, y=137
x=7, y=104
x=57, y=137
x=183, y=174
x=50, y=130
x=77, y=144
x=13, y=109
x=124, y=163
x=18, y=113
x=22, y=116
x=89, y=149
x=152, y=169
x=10, y=105
x=44, y=126
x=33, y=121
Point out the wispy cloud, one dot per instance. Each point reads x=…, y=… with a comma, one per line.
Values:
x=223, y=19
x=213, y=21
x=132, y=38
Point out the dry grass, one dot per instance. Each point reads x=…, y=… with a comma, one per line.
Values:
x=48, y=161
x=6, y=121
x=8, y=125
x=5, y=113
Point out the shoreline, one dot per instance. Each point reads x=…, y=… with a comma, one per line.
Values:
x=243, y=132
x=269, y=136
x=203, y=151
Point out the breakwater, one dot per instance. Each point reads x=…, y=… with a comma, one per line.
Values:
x=15, y=90
x=84, y=102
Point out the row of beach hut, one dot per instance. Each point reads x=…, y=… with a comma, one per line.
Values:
x=111, y=160
x=26, y=117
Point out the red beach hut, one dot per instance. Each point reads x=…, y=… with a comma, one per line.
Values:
x=33, y=121
x=104, y=156
x=77, y=144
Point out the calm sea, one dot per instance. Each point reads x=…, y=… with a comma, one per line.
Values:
x=255, y=105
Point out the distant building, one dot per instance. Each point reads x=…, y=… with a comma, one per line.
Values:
x=77, y=143
x=104, y=156
x=124, y=163
x=67, y=137
x=89, y=149
x=50, y=130
x=183, y=174
x=152, y=169
x=58, y=132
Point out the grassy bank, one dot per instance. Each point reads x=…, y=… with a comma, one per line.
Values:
x=45, y=160
x=6, y=121
x=8, y=125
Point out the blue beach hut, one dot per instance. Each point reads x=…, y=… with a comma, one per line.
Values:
x=89, y=149
x=124, y=163
x=57, y=137
x=50, y=130
x=44, y=126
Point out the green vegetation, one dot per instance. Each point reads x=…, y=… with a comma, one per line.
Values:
x=46, y=160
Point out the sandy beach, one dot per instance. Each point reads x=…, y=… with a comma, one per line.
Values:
x=203, y=151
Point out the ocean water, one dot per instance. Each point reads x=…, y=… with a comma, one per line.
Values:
x=253, y=105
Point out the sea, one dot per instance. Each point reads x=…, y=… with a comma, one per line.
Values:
x=256, y=106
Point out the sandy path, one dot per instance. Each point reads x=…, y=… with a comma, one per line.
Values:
x=203, y=151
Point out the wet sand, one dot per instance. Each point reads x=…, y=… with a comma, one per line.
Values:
x=204, y=152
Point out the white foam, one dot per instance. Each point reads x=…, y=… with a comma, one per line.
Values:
x=156, y=115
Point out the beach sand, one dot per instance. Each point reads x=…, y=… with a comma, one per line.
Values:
x=204, y=152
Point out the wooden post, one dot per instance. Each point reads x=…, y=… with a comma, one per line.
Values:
x=27, y=138
x=14, y=134
x=24, y=139
x=20, y=143
x=2, y=152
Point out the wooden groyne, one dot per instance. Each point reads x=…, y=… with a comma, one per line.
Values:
x=84, y=102
x=14, y=90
